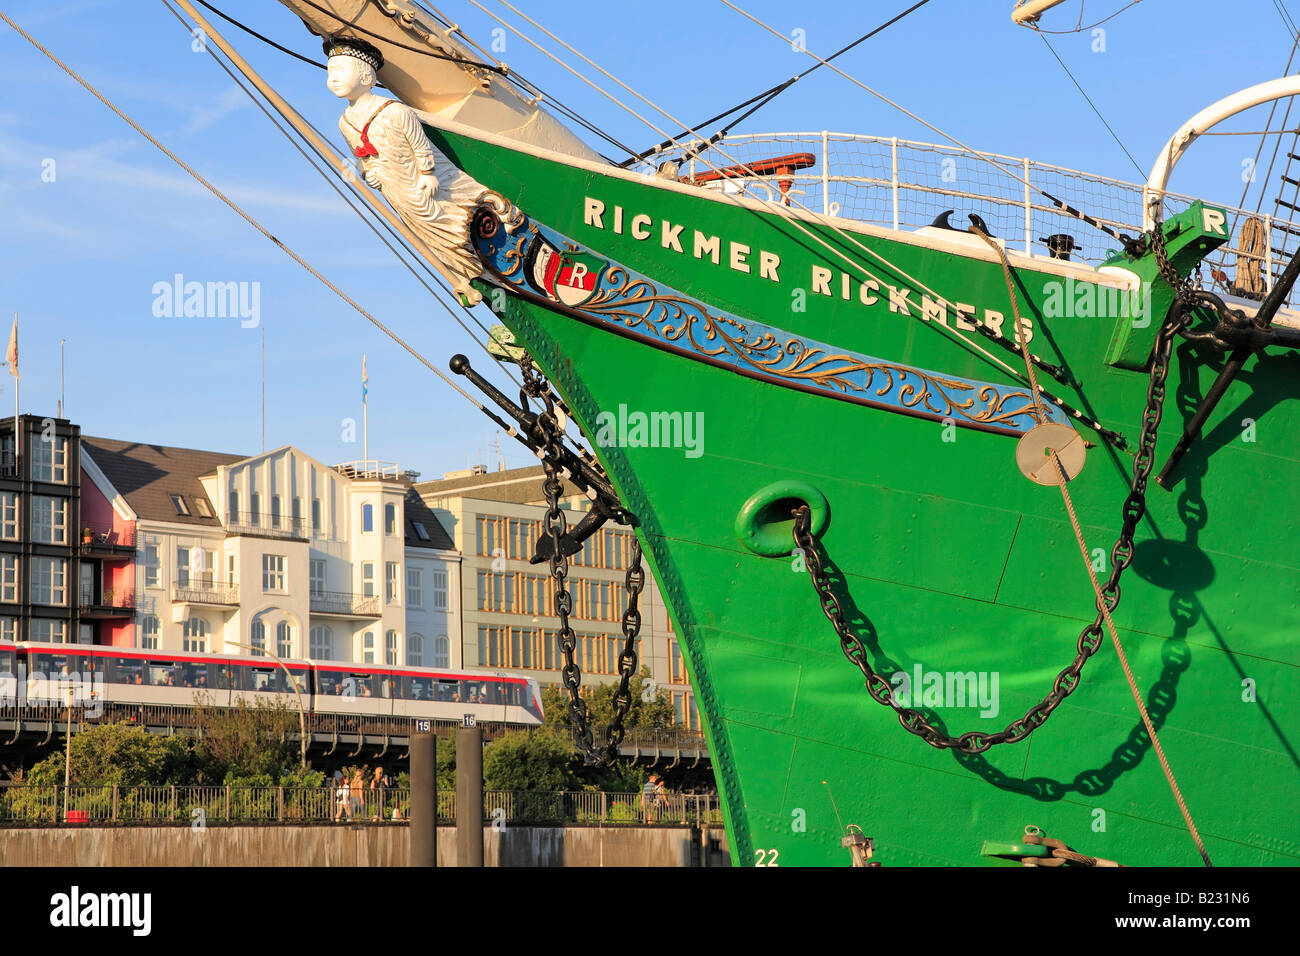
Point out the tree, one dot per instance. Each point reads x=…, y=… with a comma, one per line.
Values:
x=651, y=706
x=529, y=760
x=121, y=754
x=242, y=742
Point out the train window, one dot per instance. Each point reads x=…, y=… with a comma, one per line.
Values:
x=265, y=680
x=125, y=670
x=192, y=675
x=386, y=686
x=448, y=690
x=226, y=677
x=158, y=674
x=419, y=688
x=329, y=683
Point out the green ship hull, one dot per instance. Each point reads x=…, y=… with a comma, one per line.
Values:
x=955, y=564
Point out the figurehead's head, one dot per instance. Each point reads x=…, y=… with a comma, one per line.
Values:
x=353, y=66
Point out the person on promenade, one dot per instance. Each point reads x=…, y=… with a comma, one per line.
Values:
x=342, y=796
x=379, y=785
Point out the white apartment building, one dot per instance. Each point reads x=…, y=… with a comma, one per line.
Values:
x=279, y=553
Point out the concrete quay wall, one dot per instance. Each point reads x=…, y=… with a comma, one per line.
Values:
x=344, y=845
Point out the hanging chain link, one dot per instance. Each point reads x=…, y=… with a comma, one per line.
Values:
x=549, y=438
x=1090, y=639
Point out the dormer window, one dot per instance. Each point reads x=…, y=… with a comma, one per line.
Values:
x=420, y=533
x=178, y=502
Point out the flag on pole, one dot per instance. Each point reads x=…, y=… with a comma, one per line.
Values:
x=11, y=353
x=364, y=378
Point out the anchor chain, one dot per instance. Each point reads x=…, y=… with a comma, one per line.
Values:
x=548, y=437
x=1090, y=639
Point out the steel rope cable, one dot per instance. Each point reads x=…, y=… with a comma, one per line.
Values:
x=245, y=216
x=1102, y=604
x=776, y=207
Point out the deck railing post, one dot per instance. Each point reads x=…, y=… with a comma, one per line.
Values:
x=826, y=173
x=893, y=162
x=1029, y=214
x=115, y=796
x=1268, y=253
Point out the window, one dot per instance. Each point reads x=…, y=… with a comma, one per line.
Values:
x=322, y=643
x=390, y=519
x=47, y=631
x=85, y=634
x=255, y=508
x=9, y=516
x=442, y=651
x=8, y=628
x=367, y=579
x=48, y=584
x=414, y=587
x=152, y=575
x=49, y=520
x=196, y=635
x=149, y=632
x=316, y=574
x=284, y=639
x=367, y=517
x=178, y=502
x=9, y=578
x=7, y=454
x=390, y=646
x=392, y=583
x=420, y=531
x=368, y=648
x=201, y=505
x=257, y=638
x=50, y=459
x=234, y=505
x=272, y=572
x=296, y=523
x=315, y=514
x=415, y=650
x=207, y=570
x=182, y=567
x=230, y=570
x=275, y=511
x=440, y=590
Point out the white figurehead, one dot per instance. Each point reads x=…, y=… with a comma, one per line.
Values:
x=433, y=197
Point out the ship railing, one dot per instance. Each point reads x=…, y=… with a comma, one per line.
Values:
x=906, y=184
x=33, y=805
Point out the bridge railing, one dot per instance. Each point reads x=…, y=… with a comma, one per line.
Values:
x=30, y=805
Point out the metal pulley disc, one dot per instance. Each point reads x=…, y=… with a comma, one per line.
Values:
x=1034, y=453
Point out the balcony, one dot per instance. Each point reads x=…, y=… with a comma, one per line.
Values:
x=345, y=604
x=205, y=589
x=110, y=603
x=266, y=525
x=115, y=545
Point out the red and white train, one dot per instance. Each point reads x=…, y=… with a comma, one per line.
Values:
x=34, y=674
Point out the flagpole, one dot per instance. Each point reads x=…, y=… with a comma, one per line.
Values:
x=18, y=443
x=365, y=415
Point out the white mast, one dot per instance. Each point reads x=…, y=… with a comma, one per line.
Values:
x=1028, y=11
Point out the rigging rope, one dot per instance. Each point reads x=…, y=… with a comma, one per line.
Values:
x=772, y=93
x=777, y=208
x=1102, y=604
x=1079, y=28
x=245, y=216
x=371, y=221
x=1084, y=94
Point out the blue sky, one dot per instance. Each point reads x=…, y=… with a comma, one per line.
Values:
x=79, y=256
